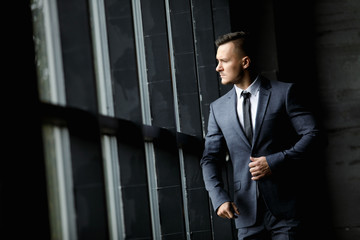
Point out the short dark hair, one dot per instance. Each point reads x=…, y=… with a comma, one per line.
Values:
x=241, y=40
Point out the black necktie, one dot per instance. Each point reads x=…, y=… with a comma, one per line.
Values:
x=247, y=116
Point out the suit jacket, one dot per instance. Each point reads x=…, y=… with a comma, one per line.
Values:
x=285, y=133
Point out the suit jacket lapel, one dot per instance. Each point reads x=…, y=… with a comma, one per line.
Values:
x=262, y=107
x=234, y=117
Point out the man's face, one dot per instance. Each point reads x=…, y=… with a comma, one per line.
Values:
x=230, y=65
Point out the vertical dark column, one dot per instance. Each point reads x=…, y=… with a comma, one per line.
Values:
x=77, y=55
x=312, y=35
x=197, y=196
x=221, y=22
x=158, y=65
x=162, y=112
x=169, y=190
x=205, y=55
x=134, y=185
x=221, y=17
x=24, y=211
x=123, y=59
x=262, y=31
x=132, y=165
x=86, y=156
x=88, y=180
x=185, y=68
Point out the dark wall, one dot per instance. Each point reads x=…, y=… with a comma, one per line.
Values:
x=337, y=47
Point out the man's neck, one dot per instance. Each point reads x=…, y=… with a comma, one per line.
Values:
x=245, y=82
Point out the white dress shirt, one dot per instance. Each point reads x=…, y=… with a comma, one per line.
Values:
x=254, y=99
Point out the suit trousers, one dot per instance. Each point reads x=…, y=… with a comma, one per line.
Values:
x=269, y=227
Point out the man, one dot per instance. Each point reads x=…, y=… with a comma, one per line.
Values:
x=269, y=134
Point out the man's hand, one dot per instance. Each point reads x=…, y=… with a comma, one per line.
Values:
x=259, y=168
x=227, y=210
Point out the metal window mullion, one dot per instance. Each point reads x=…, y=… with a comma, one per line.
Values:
x=60, y=185
x=106, y=107
x=203, y=127
x=184, y=194
x=177, y=120
x=141, y=61
x=153, y=188
x=101, y=57
x=113, y=188
x=53, y=52
x=146, y=118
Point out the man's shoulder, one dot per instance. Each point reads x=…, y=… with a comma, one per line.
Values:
x=276, y=86
x=224, y=98
x=280, y=84
x=267, y=83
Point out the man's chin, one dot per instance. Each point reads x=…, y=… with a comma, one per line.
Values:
x=224, y=82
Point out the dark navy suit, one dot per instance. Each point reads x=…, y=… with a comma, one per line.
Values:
x=285, y=133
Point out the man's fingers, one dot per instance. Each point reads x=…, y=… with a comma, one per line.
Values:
x=226, y=214
x=252, y=164
x=235, y=208
x=230, y=214
x=257, y=177
x=223, y=210
x=259, y=168
x=227, y=210
x=255, y=169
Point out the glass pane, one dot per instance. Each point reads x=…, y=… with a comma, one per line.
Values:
x=48, y=52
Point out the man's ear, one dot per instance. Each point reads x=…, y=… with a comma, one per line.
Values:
x=246, y=61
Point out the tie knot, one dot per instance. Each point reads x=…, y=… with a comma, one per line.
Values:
x=245, y=94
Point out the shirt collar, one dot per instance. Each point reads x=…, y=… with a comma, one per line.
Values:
x=253, y=88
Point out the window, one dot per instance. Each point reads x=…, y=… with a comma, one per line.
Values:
x=125, y=87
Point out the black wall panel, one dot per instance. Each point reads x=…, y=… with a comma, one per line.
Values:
x=134, y=187
x=123, y=59
x=88, y=182
x=221, y=23
x=158, y=65
x=185, y=68
x=77, y=56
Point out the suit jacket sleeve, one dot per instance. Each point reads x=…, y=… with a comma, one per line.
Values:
x=305, y=126
x=213, y=157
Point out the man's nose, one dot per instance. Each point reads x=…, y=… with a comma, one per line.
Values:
x=218, y=67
